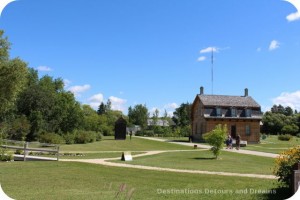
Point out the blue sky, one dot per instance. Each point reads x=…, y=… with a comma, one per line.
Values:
x=158, y=52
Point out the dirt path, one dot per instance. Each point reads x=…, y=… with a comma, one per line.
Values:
x=241, y=151
x=106, y=162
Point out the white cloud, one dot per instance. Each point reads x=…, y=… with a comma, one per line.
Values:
x=44, y=69
x=96, y=100
x=171, y=106
x=274, y=45
x=76, y=90
x=67, y=83
x=288, y=99
x=293, y=16
x=202, y=58
x=209, y=50
x=117, y=103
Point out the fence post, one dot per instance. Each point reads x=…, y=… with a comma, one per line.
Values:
x=25, y=150
x=57, y=152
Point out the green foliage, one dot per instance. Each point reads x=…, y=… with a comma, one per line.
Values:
x=13, y=74
x=286, y=137
x=182, y=115
x=138, y=115
x=284, y=164
x=263, y=136
x=84, y=137
x=281, y=120
x=216, y=139
x=51, y=138
x=19, y=129
x=290, y=129
x=69, y=138
x=298, y=135
x=6, y=157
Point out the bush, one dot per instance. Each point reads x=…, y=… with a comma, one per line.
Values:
x=19, y=152
x=216, y=139
x=263, y=136
x=287, y=137
x=69, y=138
x=284, y=164
x=298, y=135
x=83, y=137
x=51, y=138
x=98, y=136
x=6, y=157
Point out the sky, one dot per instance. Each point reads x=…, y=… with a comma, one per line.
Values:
x=159, y=52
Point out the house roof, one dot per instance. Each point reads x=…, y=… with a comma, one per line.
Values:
x=228, y=101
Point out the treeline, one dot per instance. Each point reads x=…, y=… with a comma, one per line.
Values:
x=177, y=126
x=34, y=108
x=281, y=120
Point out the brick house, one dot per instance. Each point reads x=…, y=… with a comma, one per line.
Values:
x=242, y=114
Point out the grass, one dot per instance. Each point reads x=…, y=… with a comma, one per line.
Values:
x=80, y=181
x=204, y=160
x=109, y=144
x=273, y=145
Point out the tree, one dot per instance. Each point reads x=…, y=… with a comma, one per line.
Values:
x=101, y=109
x=216, y=139
x=12, y=78
x=138, y=115
x=290, y=129
x=182, y=115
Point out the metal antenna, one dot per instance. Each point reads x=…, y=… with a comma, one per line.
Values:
x=212, y=70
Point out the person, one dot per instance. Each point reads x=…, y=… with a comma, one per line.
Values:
x=228, y=142
x=130, y=135
x=238, y=141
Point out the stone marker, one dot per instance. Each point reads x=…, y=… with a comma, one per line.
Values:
x=126, y=156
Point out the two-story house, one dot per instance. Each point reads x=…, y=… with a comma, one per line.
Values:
x=241, y=114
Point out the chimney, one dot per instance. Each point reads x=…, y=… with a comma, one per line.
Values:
x=201, y=90
x=246, y=92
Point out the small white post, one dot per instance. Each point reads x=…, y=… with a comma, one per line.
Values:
x=25, y=150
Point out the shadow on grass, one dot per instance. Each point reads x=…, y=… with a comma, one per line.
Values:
x=186, y=141
x=202, y=158
x=277, y=194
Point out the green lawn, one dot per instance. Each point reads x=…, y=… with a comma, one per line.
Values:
x=203, y=160
x=273, y=145
x=80, y=181
x=109, y=144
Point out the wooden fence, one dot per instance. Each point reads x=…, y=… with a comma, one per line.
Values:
x=27, y=149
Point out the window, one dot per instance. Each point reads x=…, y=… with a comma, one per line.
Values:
x=248, y=130
x=218, y=112
x=248, y=113
x=233, y=112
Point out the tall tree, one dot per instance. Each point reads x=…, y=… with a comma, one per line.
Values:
x=138, y=115
x=182, y=115
x=12, y=78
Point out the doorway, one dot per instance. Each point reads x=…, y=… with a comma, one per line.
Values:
x=233, y=131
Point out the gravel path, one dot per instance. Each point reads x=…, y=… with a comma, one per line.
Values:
x=106, y=162
x=256, y=153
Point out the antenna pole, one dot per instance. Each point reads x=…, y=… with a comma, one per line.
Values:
x=212, y=70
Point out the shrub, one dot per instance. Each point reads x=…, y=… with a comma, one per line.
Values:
x=98, y=136
x=263, y=136
x=83, y=137
x=19, y=152
x=69, y=138
x=51, y=138
x=298, y=135
x=284, y=164
x=287, y=137
x=6, y=157
x=216, y=139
